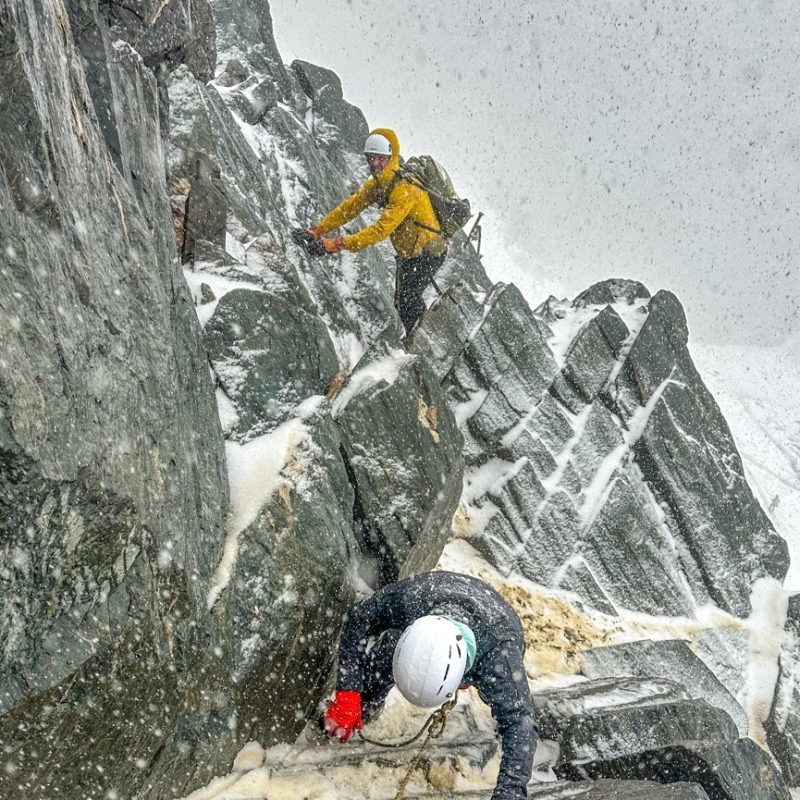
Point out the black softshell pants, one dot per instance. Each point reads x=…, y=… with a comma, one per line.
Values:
x=413, y=275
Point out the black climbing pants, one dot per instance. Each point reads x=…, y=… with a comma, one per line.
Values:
x=413, y=275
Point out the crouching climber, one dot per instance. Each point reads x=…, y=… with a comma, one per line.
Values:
x=407, y=217
x=429, y=635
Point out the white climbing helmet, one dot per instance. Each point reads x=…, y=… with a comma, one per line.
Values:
x=429, y=661
x=377, y=144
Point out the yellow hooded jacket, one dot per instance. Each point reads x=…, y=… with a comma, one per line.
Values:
x=406, y=205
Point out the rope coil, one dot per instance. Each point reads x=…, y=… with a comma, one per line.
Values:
x=435, y=725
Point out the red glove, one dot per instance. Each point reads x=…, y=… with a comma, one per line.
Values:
x=344, y=715
x=334, y=245
x=315, y=232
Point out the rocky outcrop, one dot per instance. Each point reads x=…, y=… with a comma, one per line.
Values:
x=612, y=290
x=612, y=474
x=114, y=487
x=727, y=771
x=783, y=724
x=290, y=585
x=614, y=717
x=631, y=729
x=689, y=460
x=618, y=790
x=167, y=34
x=668, y=659
x=152, y=621
x=407, y=475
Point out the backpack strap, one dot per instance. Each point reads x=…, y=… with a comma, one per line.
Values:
x=383, y=199
x=427, y=227
x=403, y=175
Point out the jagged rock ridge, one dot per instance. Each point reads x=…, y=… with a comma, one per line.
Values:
x=150, y=626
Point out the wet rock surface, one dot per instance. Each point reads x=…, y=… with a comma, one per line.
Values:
x=153, y=619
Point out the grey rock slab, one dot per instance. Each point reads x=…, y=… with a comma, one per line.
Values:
x=178, y=32
x=607, y=719
x=611, y=290
x=445, y=329
x=203, y=129
x=593, y=352
x=253, y=99
x=549, y=421
x=463, y=265
x=669, y=659
x=687, y=455
x=737, y=770
x=291, y=588
x=112, y=465
x=691, y=461
x=314, y=78
x=268, y=356
x=552, y=309
x=782, y=726
x=538, y=552
x=627, y=552
x=509, y=354
x=605, y=789
x=593, y=790
x=338, y=125
x=244, y=30
x=206, y=211
x=403, y=449
x=601, y=436
x=233, y=73
x=529, y=445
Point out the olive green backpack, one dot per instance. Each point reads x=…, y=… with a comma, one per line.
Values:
x=452, y=211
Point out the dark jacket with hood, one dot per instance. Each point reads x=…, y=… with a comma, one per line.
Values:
x=497, y=672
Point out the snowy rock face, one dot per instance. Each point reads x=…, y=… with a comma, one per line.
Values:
x=605, y=719
x=597, y=460
x=156, y=615
x=668, y=659
x=167, y=34
x=737, y=770
x=783, y=724
x=407, y=475
x=345, y=460
x=112, y=470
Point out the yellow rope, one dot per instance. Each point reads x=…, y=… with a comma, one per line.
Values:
x=435, y=725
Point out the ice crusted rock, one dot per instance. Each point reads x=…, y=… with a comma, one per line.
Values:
x=597, y=461
x=151, y=621
x=738, y=770
x=665, y=660
x=783, y=724
x=606, y=719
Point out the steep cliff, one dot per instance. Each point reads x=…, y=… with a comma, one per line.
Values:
x=209, y=442
x=114, y=488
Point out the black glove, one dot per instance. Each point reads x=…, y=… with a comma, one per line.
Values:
x=301, y=236
x=308, y=242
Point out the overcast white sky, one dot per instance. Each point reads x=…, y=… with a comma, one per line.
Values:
x=652, y=140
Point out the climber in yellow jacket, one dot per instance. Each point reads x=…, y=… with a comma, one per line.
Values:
x=407, y=218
